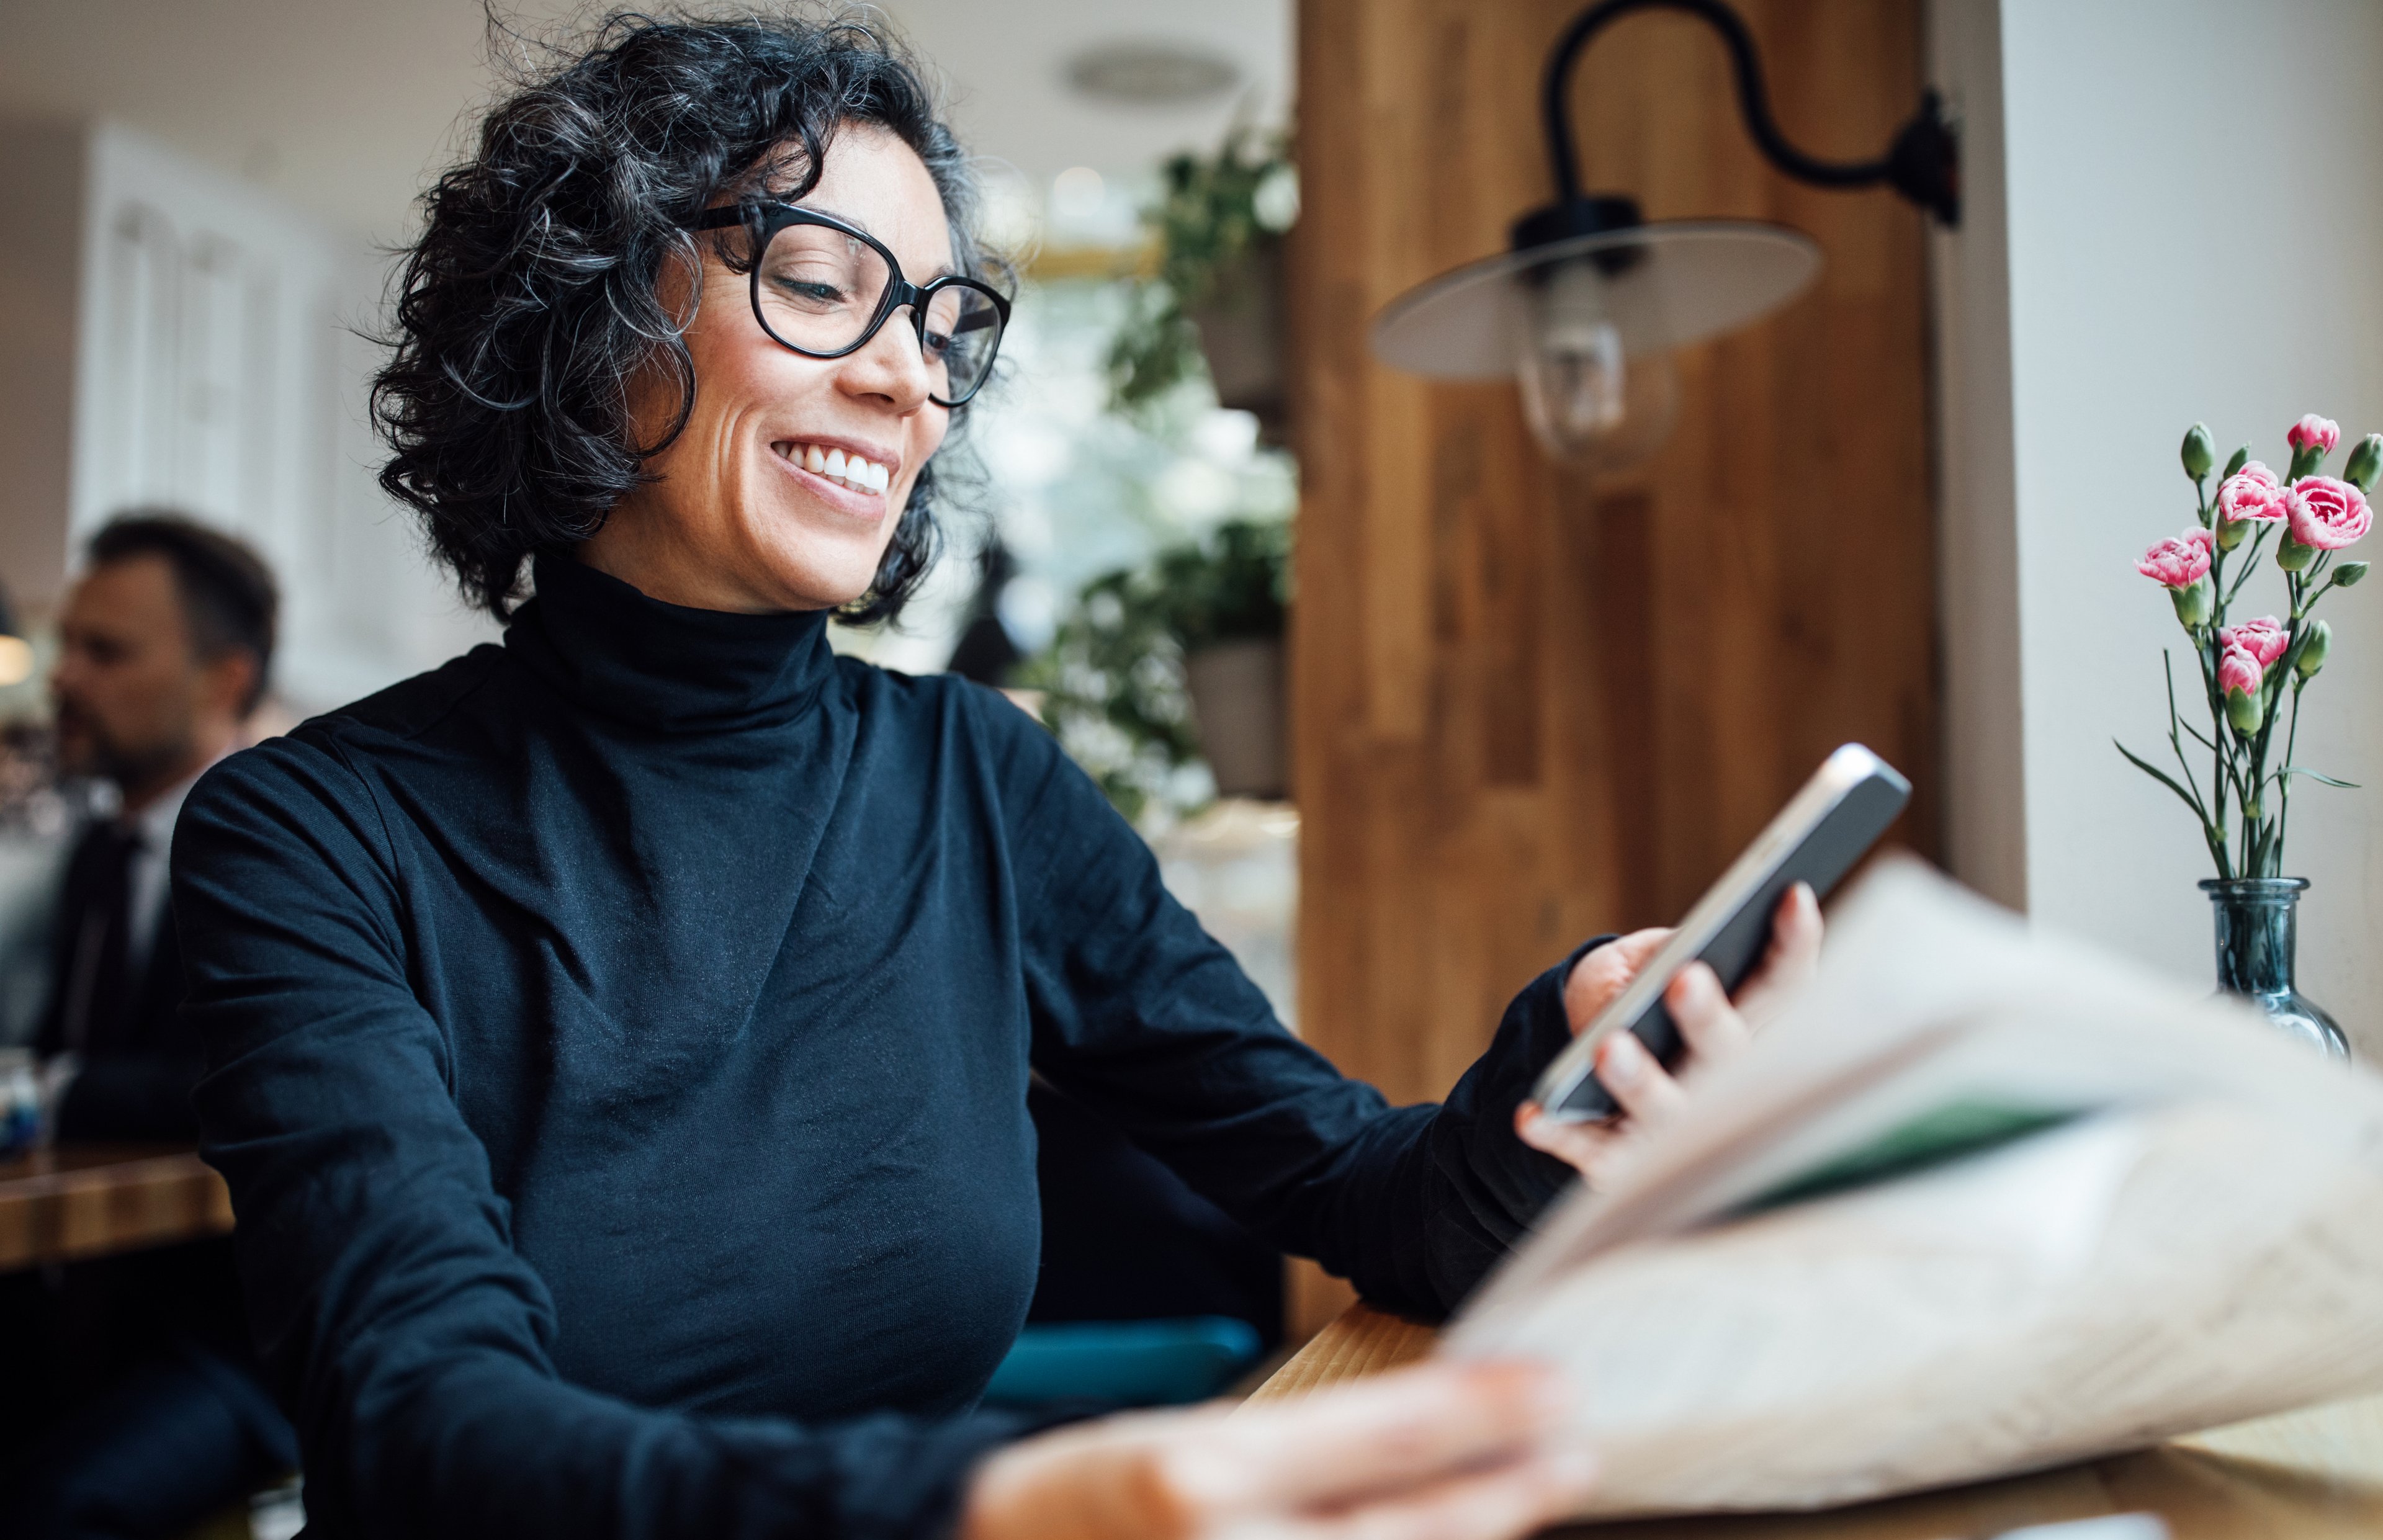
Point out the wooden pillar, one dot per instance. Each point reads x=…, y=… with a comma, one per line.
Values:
x=1527, y=710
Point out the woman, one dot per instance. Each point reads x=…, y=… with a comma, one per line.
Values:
x=621, y=1036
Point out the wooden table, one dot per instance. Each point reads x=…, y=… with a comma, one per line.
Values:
x=80, y=1202
x=2306, y=1475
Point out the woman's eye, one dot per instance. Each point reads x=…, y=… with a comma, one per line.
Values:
x=808, y=291
x=935, y=344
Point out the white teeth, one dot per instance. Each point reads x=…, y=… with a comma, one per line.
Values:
x=861, y=474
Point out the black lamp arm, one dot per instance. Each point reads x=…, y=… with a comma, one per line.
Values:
x=1923, y=163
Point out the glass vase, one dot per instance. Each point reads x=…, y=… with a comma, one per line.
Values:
x=2257, y=933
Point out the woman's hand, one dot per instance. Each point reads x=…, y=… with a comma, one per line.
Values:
x=1453, y=1452
x=1713, y=1026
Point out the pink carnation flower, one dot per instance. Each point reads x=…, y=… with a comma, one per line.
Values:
x=2253, y=494
x=2327, y=513
x=2263, y=639
x=2240, y=673
x=2180, y=562
x=2314, y=431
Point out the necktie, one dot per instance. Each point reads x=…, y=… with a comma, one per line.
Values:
x=101, y=982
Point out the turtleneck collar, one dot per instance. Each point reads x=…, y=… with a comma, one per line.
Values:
x=613, y=651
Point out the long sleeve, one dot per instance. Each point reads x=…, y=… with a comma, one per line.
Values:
x=410, y=1340
x=1139, y=1012
x=142, y=1096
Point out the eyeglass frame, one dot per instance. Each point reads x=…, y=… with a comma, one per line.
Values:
x=899, y=290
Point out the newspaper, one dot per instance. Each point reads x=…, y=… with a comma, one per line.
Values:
x=1980, y=1202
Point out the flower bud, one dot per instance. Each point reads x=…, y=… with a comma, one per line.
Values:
x=2315, y=644
x=2293, y=556
x=2365, y=461
x=2244, y=709
x=2313, y=432
x=2231, y=532
x=2350, y=574
x=2194, y=603
x=2242, y=458
x=2198, y=452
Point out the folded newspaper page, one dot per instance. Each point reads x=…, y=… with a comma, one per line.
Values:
x=1981, y=1202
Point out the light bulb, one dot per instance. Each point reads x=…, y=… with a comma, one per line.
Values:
x=1588, y=401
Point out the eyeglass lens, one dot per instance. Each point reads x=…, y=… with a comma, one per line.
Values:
x=820, y=288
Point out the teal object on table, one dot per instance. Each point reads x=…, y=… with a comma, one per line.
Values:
x=1124, y=1362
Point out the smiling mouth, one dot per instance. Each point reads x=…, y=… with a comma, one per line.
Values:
x=846, y=470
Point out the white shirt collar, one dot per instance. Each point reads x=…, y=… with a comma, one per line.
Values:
x=156, y=823
x=149, y=873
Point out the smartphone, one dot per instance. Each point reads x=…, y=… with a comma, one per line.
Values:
x=1826, y=828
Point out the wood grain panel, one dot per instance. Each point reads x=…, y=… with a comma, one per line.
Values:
x=1362, y=1341
x=1527, y=708
x=75, y=1203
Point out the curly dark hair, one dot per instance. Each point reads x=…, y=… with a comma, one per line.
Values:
x=530, y=301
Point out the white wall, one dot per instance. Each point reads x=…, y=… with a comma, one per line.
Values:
x=42, y=175
x=2192, y=230
x=178, y=337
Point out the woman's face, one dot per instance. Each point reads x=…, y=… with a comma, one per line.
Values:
x=734, y=520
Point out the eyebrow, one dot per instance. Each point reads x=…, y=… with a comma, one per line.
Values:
x=943, y=270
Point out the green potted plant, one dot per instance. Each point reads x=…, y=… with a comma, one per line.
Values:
x=1218, y=293
x=1179, y=660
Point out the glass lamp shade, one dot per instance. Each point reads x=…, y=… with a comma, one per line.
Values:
x=1585, y=324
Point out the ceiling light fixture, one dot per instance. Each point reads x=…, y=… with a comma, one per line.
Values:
x=1152, y=74
x=1587, y=306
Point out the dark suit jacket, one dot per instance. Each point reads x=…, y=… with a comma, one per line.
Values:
x=137, y=1084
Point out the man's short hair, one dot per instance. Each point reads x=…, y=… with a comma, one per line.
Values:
x=229, y=596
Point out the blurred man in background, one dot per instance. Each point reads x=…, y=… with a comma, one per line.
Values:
x=137, y=1410
x=164, y=650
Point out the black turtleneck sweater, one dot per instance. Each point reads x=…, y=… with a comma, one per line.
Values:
x=619, y=1043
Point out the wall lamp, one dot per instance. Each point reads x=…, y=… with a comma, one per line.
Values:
x=1587, y=308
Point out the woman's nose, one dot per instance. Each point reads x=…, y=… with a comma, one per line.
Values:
x=891, y=366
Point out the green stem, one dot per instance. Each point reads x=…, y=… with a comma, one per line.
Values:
x=2284, y=791
x=2220, y=762
x=2249, y=565
x=2176, y=746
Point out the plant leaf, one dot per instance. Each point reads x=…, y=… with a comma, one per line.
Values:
x=2324, y=780
x=2162, y=777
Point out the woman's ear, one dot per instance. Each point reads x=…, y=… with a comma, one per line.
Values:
x=678, y=284
x=661, y=391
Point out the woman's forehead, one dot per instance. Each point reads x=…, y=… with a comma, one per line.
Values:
x=875, y=183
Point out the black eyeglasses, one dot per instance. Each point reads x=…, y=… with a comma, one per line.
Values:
x=822, y=289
